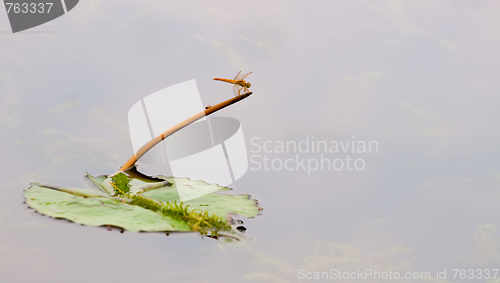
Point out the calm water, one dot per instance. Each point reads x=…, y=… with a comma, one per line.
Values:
x=418, y=79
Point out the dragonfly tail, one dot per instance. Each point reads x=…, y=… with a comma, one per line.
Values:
x=224, y=80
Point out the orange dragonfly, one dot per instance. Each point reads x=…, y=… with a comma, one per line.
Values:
x=239, y=83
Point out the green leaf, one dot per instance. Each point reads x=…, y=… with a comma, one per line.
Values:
x=136, y=185
x=97, y=181
x=210, y=201
x=148, y=206
x=99, y=211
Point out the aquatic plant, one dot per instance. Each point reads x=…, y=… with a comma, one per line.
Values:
x=136, y=202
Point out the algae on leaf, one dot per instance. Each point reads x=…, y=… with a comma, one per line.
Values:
x=212, y=202
x=136, y=205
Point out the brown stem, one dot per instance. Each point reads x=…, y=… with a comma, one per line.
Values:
x=145, y=148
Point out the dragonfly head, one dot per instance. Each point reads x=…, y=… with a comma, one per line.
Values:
x=248, y=85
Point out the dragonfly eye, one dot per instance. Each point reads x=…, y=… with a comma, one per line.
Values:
x=248, y=85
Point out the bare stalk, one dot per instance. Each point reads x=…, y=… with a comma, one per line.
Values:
x=212, y=109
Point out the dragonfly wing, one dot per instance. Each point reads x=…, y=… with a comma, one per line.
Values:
x=244, y=76
x=236, y=90
x=237, y=76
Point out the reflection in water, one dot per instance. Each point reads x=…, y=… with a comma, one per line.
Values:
x=332, y=260
x=327, y=256
x=224, y=237
x=487, y=245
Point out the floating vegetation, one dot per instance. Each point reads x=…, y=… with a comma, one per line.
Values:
x=121, y=201
x=135, y=202
x=197, y=220
x=120, y=183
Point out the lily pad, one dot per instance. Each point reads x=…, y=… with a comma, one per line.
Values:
x=99, y=211
x=151, y=206
x=218, y=204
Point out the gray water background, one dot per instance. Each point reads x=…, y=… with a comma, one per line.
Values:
x=420, y=78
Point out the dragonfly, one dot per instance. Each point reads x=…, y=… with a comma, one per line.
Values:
x=239, y=83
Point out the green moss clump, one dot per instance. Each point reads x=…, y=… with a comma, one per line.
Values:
x=121, y=185
x=200, y=221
